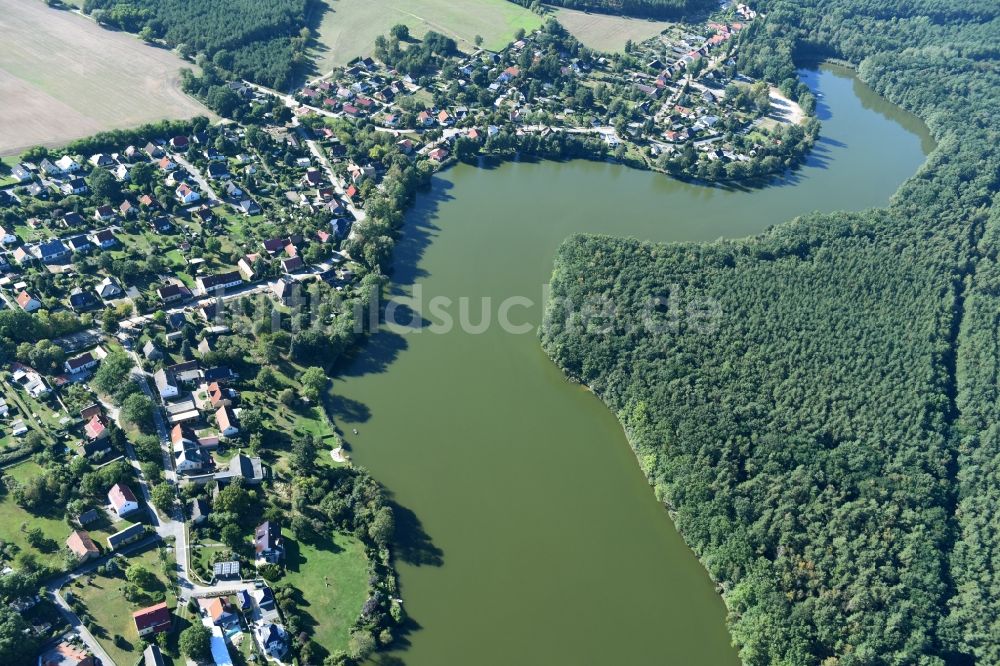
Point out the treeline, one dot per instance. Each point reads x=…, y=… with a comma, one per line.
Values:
x=663, y=9
x=260, y=41
x=824, y=436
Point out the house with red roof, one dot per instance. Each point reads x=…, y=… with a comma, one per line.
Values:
x=81, y=545
x=27, y=302
x=122, y=499
x=152, y=620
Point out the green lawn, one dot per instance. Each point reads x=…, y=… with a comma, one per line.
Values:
x=13, y=516
x=24, y=472
x=349, y=27
x=113, y=612
x=334, y=585
x=605, y=32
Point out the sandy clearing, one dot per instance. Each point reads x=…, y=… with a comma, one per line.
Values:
x=63, y=77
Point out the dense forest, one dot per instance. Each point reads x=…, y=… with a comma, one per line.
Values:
x=261, y=41
x=821, y=415
x=662, y=9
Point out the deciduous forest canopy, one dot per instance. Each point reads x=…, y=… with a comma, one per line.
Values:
x=830, y=448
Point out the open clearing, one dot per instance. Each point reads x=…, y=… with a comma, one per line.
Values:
x=63, y=77
x=333, y=581
x=603, y=32
x=349, y=27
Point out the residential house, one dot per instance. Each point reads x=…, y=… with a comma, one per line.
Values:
x=123, y=173
x=272, y=638
x=7, y=235
x=166, y=385
x=127, y=209
x=49, y=168
x=151, y=352
x=126, y=536
x=27, y=302
x=268, y=544
x=226, y=421
x=108, y=289
x=217, y=610
x=151, y=656
x=87, y=517
x=162, y=225
x=81, y=545
x=292, y=264
x=438, y=154
x=251, y=470
x=166, y=164
x=245, y=266
x=153, y=150
x=21, y=173
x=96, y=431
x=218, y=171
x=212, y=283
x=79, y=243
x=189, y=460
x=152, y=620
x=249, y=207
x=81, y=301
x=169, y=293
x=186, y=195
x=101, y=160
x=285, y=290
x=233, y=190
x=81, y=363
x=52, y=251
x=198, y=511
x=67, y=164
x=75, y=186
x=179, y=143
x=104, y=239
x=22, y=256
x=104, y=213
x=122, y=500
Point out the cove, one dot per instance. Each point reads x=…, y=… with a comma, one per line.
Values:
x=527, y=533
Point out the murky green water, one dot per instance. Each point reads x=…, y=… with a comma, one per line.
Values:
x=530, y=535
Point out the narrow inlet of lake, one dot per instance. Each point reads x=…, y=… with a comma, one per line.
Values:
x=528, y=533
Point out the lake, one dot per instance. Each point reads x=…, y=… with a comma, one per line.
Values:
x=528, y=534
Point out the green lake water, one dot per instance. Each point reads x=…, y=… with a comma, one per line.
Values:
x=528, y=534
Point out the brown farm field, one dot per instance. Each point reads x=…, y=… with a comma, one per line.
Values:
x=63, y=77
x=603, y=32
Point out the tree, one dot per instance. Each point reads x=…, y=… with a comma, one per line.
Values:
x=141, y=577
x=400, y=32
x=303, y=453
x=232, y=536
x=138, y=410
x=382, y=527
x=314, y=382
x=113, y=374
x=234, y=499
x=196, y=642
x=104, y=186
x=17, y=641
x=162, y=496
x=478, y=40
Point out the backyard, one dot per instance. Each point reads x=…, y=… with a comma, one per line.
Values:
x=333, y=581
x=105, y=601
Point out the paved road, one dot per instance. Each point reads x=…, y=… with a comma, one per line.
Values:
x=199, y=177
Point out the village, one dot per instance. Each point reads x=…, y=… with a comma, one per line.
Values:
x=171, y=293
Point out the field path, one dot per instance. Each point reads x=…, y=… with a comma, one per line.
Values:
x=63, y=77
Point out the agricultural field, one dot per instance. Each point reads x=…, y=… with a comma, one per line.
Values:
x=333, y=580
x=607, y=33
x=63, y=77
x=349, y=27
